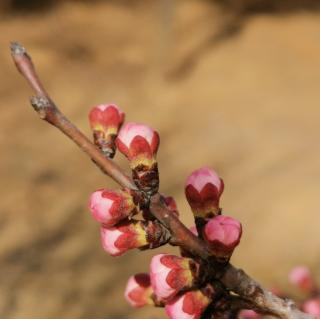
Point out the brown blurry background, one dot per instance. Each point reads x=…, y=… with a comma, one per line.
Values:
x=234, y=85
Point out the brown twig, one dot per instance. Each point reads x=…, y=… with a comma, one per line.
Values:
x=263, y=300
x=232, y=278
x=49, y=112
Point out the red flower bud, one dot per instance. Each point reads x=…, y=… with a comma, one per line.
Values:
x=302, y=278
x=138, y=292
x=223, y=233
x=203, y=190
x=170, y=274
x=133, y=234
x=121, y=238
x=106, y=117
x=110, y=207
x=190, y=305
x=139, y=143
x=312, y=307
x=105, y=121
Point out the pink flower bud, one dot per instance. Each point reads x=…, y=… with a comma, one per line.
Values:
x=133, y=234
x=105, y=121
x=248, y=314
x=139, y=143
x=223, y=233
x=302, y=278
x=138, y=292
x=110, y=207
x=203, y=190
x=121, y=238
x=190, y=305
x=106, y=117
x=312, y=307
x=170, y=274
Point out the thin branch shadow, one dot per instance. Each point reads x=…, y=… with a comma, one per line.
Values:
x=237, y=13
x=225, y=32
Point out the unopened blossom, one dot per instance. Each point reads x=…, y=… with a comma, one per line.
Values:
x=223, y=234
x=312, y=307
x=105, y=121
x=138, y=291
x=121, y=238
x=170, y=274
x=302, y=278
x=110, y=207
x=203, y=190
x=132, y=234
x=189, y=305
x=139, y=143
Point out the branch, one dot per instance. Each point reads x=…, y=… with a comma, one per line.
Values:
x=49, y=112
x=232, y=278
x=263, y=300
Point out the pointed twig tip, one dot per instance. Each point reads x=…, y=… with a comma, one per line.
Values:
x=17, y=49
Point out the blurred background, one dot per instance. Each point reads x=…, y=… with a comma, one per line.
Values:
x=233, y=85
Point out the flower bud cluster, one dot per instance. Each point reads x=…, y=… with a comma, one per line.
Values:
x=184, y=285
x=115, y=209
x=119, y=231
x=138, y=142
x=222, y=233
x=175, y=283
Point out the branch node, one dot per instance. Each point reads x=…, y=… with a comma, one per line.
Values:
x=40, y=104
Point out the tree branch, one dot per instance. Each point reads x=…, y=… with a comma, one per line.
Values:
x=232, y=278
x=264, y=301
x=49, y=112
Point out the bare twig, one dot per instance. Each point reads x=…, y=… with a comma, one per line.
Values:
x=263, y=300
x=232, y=278
x=49, y=112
